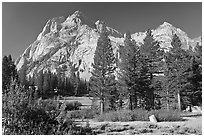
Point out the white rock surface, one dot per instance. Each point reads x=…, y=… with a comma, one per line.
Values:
x=75, y=39
x=152, y=119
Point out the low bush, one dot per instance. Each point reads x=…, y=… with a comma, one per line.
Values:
x=139, y=115
x=68, y=106
x=24, y=116
x=86, y=113
x=110, y=116
x=52, y=107
x=29, y=120
x=122, y=115
x=166, y=115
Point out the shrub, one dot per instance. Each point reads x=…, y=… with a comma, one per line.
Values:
x=125, y=115
x=86, y=113
x=21, y=116
x=139, y=115
x=122, y=115
x=49, y=105
x=166, y=115
x=68, y=106
x=110, y=116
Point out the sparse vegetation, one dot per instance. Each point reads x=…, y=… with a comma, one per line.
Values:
x=84, y=113
x=140, y=115
x=166, y=115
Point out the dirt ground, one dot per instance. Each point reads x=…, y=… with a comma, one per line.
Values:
x=191, y=126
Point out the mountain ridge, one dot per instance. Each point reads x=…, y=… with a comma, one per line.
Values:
x=75, y=39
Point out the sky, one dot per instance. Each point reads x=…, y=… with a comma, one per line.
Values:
x=22, y=22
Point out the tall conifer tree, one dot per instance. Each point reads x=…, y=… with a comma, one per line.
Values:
x=130, y=67
x=9, y=72
x=177, y=62
x=152, y=55
x=102, y=78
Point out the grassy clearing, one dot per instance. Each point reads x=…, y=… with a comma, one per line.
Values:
x=83, y=100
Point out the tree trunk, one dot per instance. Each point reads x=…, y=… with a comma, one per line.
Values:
x=130, y=105
x=102, y=107
x=179, y=101
x=120, y=103
x=153, y=104
x=167, y=105
x=152, y=93
x=178, y=92
x=134, y=101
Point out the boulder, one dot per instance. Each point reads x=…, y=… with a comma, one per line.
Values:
x=152, y=119
x=196, y=109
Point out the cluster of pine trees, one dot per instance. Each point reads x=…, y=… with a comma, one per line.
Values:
x=147, y=76
x=45, y=83
x=50, y=84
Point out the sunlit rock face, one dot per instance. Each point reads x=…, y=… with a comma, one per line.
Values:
x=75, y=39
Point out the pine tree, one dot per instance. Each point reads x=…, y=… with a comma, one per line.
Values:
x=153, y=55
x=31, y=80
x=46, y=82
x=9, y=72
x=39, y=81
x=167, y=95
x=82, y=88
x=6, y=77
x=23, y=73
x=138, y=66
x=102, y=78
x=53, y=82
x=130, y=67
x=177, y=63
x=192, y=91
x=114, y=98
x=74, y=78
x=69, y=87
x=60, y=85
x=13, y=71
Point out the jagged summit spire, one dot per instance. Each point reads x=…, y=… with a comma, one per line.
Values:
x=78, y=13
x=166, y=24
x=79, y=17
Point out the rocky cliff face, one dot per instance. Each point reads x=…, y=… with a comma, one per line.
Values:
x=75, y=39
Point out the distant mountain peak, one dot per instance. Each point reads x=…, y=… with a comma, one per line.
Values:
x=80, y=18
x=166, y=28
x=99, y=22
x=78, y=14
x=166, y=24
